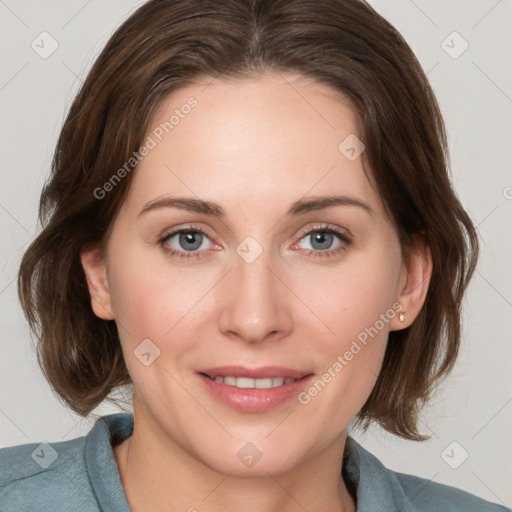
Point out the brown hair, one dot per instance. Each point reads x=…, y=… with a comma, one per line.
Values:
x=166, y=45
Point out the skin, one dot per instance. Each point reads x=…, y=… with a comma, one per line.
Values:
x=254, y=146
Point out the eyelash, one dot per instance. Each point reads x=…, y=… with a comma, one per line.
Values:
x=344, y=238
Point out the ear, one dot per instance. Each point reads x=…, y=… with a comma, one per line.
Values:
x=94, y=265
x=413, y=284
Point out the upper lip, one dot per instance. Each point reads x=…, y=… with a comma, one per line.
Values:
x=261, y=372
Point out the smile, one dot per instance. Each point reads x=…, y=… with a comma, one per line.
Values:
x=254, y=389
x=248, y=383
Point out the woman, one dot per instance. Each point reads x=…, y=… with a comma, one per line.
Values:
x=249, y=219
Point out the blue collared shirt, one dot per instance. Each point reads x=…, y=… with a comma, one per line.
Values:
x=82, y=475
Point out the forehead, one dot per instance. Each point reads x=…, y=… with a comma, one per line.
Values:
x=256, y=140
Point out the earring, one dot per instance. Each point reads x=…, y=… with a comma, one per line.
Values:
x=401, y=317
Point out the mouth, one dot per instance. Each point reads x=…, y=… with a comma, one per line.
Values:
x=254, y=389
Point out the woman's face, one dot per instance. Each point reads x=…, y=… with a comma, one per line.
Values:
x=286, y=259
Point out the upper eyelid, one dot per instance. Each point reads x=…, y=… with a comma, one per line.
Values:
x=185, y=229
x=325, y=227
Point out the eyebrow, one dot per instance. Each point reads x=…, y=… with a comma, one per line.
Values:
x=299, y=207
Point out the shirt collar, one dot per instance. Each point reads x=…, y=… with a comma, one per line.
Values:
x=377, y=488
x=100, y=461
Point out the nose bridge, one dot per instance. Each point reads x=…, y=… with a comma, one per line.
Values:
x=253, y=307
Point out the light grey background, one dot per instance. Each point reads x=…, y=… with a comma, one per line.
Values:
x=474, y=407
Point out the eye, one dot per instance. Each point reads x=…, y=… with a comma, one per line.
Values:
x=323, y=241
x=186, y=243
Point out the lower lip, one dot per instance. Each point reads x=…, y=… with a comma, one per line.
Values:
x=255, y=400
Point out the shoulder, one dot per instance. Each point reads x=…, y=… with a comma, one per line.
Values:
x=425, y=495
x=49, y=476
x=379, y=488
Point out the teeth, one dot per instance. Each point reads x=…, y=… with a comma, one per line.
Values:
x=246, y=383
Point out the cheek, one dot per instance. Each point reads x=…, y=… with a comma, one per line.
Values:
x=355, y=306
x=150, y=307
x=159, y=302
x=135, y=300
x=352, y=297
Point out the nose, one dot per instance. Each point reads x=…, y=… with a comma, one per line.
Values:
x=255, y=302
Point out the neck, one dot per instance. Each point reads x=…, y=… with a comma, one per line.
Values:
x=159, y=474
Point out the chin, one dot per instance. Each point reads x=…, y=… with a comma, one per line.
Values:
x=245, y=458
